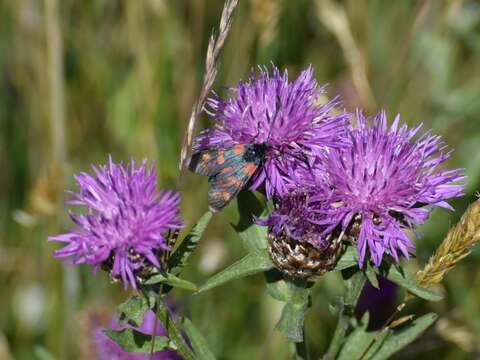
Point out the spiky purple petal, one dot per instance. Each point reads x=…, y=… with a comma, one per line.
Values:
x=385, y=180
x=391, y=180
x=125, y=222
x=286, y=115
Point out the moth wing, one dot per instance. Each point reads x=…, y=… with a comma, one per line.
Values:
x=204, y=162
x=225, y=185
x=211, y=161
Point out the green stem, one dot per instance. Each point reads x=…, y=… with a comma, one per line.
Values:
x=354, y=288
x=161, y=312
x=337, y=339
x=301, y=348
x=174, y=333
x=155, y=324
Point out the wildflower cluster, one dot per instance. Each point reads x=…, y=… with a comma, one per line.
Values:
x=335, y=179
x=367, y=184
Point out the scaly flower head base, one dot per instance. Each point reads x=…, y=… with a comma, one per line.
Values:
x=295, y=243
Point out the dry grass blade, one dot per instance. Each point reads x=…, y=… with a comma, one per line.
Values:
x=457, y=245
x=215, y=45
x=334, y=18
x=56, y=81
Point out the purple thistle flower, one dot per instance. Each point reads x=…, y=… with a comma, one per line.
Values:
x=107, y=349
x=296, y=243
x=383, y=182
x=126, y=221
x=295, y=218
x=284, y=115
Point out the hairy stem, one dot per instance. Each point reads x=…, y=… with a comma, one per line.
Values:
x=301, y=348
x=161, y=311
x=354, y=288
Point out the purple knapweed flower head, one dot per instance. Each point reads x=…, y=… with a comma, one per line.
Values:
x=107, y=349
x=384, y=183
x=296, y=243
x=294, y=217
x=286, y=116
x=124, y=223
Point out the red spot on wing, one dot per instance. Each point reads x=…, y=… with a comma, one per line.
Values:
x=250, y=168
x=239, y=149
x=221, y=157
x=231, y=181
x=227, y=169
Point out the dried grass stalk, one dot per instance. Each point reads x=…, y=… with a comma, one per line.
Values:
x=56, y=88
x=215, y=44
x=334, y=17
x=457, y=245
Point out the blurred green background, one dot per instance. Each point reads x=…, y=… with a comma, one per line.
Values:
x=81, y=79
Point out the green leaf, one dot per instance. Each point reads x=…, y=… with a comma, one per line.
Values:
x=174, y=332
x=134, y=341
x=198, y=342
x=377, y=342
x=251, y=264
x=371, y=276
x=347, y=259
x=354, y=284
x=334, y=308
x=295, y=293
x=253, y=236
x=293, y=314
x=132, y=310
x=398, y=339
x=357, y=343
x=171, y=280
x=277, y=287
x=181, y=254
x=403, y=278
